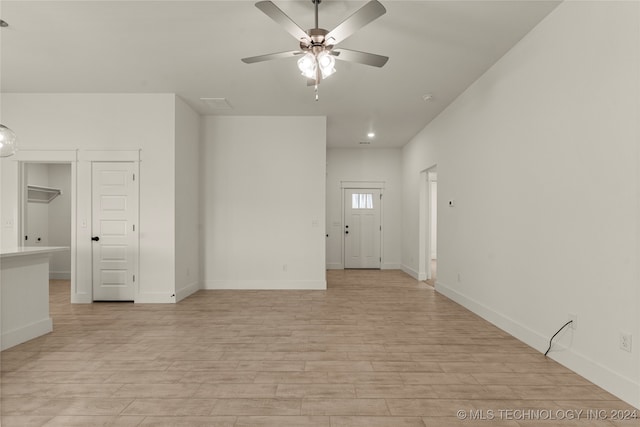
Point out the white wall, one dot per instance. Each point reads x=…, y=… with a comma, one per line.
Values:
x=187, y=231
x=104, y=122
x=264, y=202
x=382, y=165
x=541, y=155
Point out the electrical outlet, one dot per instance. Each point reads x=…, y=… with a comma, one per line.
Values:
x=574, y=320
x=625, y=341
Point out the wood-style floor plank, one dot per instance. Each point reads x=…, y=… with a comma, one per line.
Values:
x=376, y=349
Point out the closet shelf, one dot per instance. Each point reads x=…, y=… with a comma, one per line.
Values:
x=41, y=194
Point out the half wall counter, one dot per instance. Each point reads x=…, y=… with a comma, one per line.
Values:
x=24, y=293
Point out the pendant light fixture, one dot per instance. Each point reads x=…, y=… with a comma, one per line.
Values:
x=7, y=142
x=7, y=137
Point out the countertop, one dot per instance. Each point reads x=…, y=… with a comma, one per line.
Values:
x=30, y=250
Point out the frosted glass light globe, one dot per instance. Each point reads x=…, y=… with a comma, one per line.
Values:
x=7, y=142
x=307, y=65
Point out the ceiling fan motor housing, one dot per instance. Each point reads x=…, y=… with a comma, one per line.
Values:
x=317, y=36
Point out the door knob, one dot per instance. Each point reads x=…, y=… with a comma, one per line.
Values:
x=95, y=238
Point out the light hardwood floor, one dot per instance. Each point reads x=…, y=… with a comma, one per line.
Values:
x=376, y=349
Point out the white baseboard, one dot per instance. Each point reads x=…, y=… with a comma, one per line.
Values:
x=187, y=290
x=614, y=383
x=59, y=275
x=18, y=336
x=155, y=298
x=82, y=298
x=410, y=271
x=385, y=266
x=266, y=284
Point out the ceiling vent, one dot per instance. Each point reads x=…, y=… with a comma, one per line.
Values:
x=217, y=103
x=365, y=143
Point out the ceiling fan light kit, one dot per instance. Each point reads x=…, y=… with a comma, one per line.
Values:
x=307, y=65
x=7, y=142
x=317, y=46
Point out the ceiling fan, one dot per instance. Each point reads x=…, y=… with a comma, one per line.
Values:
x=317, y=46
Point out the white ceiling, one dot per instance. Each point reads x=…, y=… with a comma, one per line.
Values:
x=193, y=49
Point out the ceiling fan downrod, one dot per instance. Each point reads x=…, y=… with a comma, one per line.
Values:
x=316, y=3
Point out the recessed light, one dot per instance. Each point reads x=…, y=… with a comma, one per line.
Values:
x=371, y=134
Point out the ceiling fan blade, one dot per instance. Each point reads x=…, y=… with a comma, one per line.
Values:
x=367, y=13
x=270, y=56
x=275, y=13
x=360, y=57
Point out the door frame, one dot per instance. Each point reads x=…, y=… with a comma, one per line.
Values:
x=363, y=185
x=88, y=158
x=424, y=226
x=69, y=157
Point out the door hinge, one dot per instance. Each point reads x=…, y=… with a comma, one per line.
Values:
x=134, y=227
x=134, y=278
x=134, y=176
x=381, y=197
x=380, y=228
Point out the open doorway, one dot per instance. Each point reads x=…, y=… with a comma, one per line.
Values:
x=432, y=252
x=428, y=226
x=46, y=213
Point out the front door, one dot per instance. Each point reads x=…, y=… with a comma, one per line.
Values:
x=362, y=228
x=114, y=234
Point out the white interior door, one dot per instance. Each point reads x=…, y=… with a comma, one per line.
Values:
x=115, y=243
x=362, y=228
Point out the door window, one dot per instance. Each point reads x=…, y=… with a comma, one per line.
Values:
x=362, y=201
